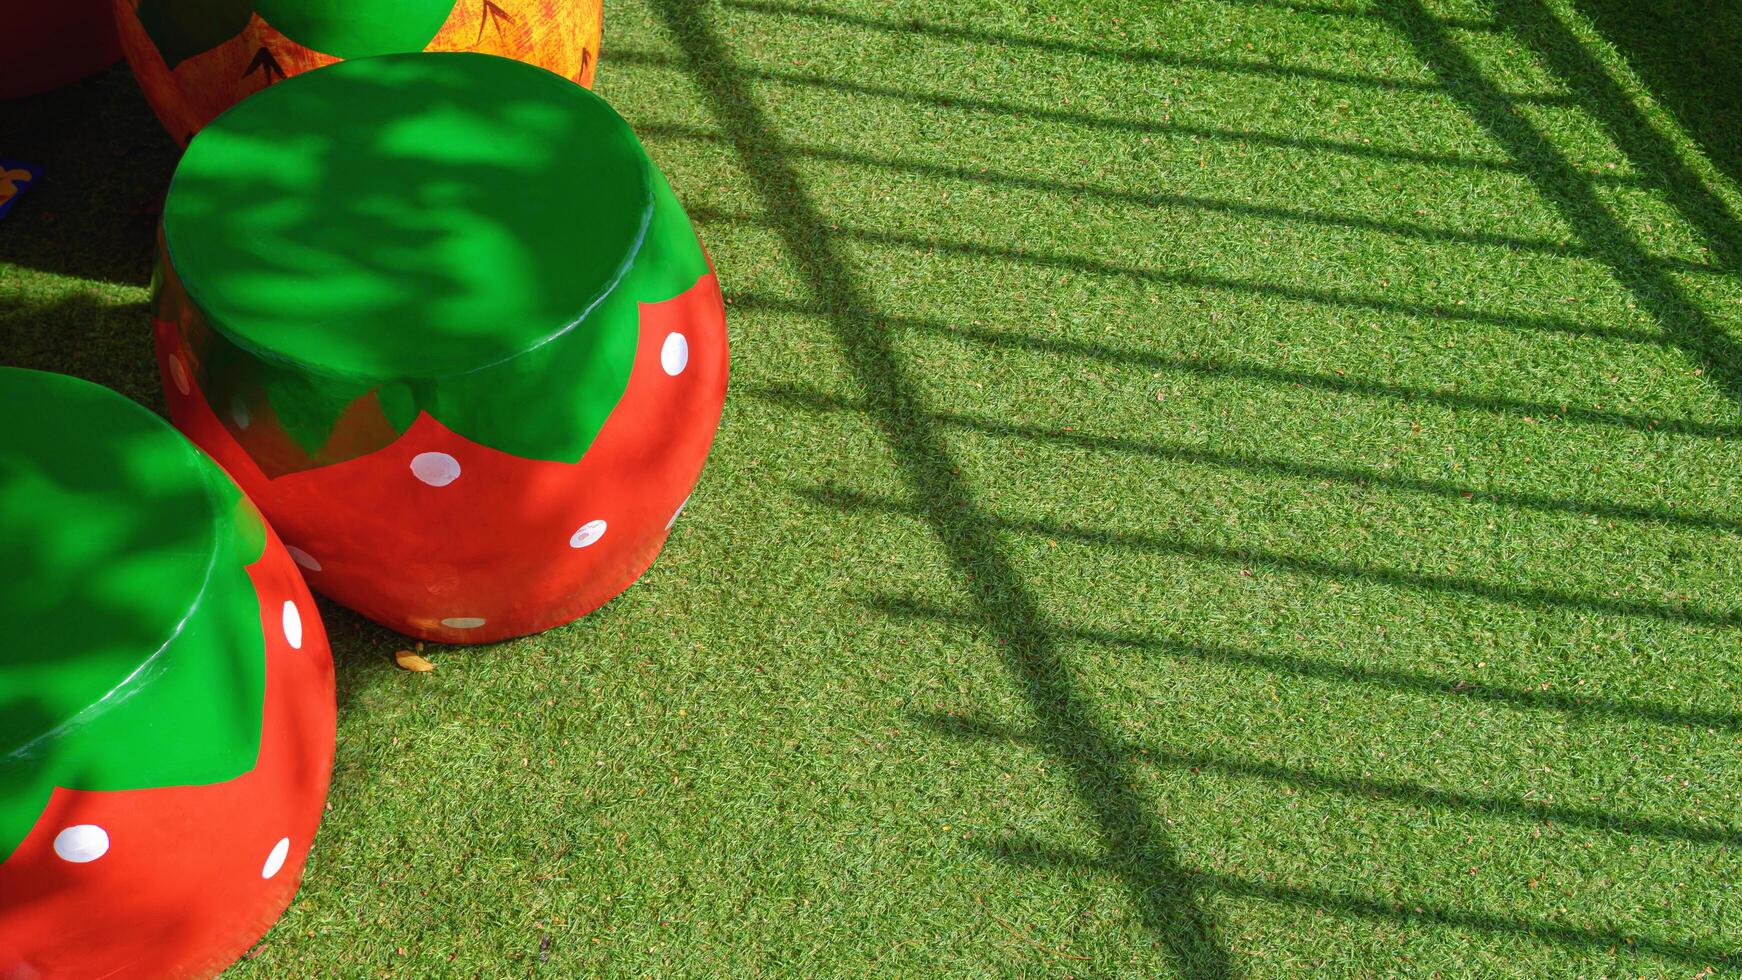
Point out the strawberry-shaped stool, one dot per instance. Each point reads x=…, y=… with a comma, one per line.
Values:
x=166, y=697
x=446, y=323
x=196, y=58
x=46, y=45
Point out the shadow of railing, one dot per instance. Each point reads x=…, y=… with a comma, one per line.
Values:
x=1135, y=844
x=1418, y=795
x=1137, y=56
x=1267, y=465
x=1603, y=98
x=1688, y=54
x=1312, y=668
x=1213, y=205
x=1472, y=24
x=1709, y=951
x=1206, y=367
x=1135, y=847
x=1423, y=309
x=1123, y=124
x=1682, y=322
x=1540, y=598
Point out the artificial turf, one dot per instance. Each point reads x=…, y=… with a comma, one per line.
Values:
x=1209, y=488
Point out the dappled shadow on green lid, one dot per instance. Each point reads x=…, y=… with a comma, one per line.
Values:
x=416, y=215
x=134, y=655
x=453, y=234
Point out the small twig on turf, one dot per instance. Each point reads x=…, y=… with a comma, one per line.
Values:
x=1019, y=934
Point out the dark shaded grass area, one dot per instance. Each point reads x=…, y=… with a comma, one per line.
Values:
x=1689, y=56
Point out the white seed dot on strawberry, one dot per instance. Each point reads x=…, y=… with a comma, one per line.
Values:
x=674, y=513
x=292, y=625
x=275, y=860
x=674, y=356
x=435, y=469
x=81, y=844
x=303, y=558
x=587, y=534
x=178, y=374
x=463, y=622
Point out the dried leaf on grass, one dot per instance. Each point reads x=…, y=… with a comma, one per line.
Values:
x=411, y=661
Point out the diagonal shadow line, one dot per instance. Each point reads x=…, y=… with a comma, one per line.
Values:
x=1251, y=463
x=1270, y=212
x=1412, y=682
x=1212, y=368
x=1523, y=596
x=1682, y=322
x=1139, y=56
x=1134, y=842
x=1119, y=123
x=1609, y=104
x=1207, y=282
x=1328, y=10
x=1408, y=793
x=1709, y=950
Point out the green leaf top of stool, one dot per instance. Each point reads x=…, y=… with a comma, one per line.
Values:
x=457, y=233
x=182, y=29
x=133, y=654
x=357, y=28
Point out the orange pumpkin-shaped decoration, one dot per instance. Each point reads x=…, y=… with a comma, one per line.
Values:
x=196, y=58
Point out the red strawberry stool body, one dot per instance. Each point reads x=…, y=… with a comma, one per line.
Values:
x=166, y=697
x=196, y=58
x=466, y=353
x=46, y=45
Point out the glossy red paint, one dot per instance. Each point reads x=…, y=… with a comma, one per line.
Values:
x=498, y=551
x=182, y=890
x=46, y=45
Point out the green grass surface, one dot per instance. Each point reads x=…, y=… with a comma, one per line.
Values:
x=1236, y=488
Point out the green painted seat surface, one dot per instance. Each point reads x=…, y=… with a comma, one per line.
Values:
x=356, y=28
x=182, y=29
x=454, y=232
x=133, y=655
x=422, y=215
